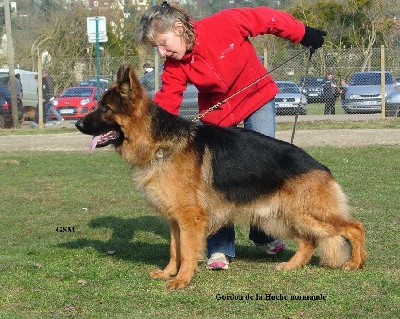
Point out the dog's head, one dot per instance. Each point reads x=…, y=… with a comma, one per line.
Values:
x=118, y=108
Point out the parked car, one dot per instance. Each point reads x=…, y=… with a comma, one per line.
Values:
x=392, y=104
x=29, y=85
x=288, y=99
x=313, y=89
x=189, y=107
x=397, y=83
x=364, y=93
x=6, y=119
x=5, y=107
x=76, y=102
x=148, y=79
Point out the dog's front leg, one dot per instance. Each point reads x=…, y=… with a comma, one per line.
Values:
x=174, y=261
x=192, y=228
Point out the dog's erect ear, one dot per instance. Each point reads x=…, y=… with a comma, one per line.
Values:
x=121, y=73
x=132, y=76
x=128, y=81
x=127, y=74
x=124, y=80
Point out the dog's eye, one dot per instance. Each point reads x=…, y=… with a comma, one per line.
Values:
x=105, y=109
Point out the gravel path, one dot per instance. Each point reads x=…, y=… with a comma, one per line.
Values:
x=345, y=137
x=303, y=138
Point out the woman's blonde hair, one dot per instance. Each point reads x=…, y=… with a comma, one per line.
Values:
x=162, y=18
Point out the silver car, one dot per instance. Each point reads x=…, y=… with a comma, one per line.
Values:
x=288, y=99
x=189, y=108
x=313, y=89
x=364, y=93
x=392, y=105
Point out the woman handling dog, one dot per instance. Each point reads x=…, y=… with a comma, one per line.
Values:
x=215, y=55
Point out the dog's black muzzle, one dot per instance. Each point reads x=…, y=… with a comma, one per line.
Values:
x=79, y=125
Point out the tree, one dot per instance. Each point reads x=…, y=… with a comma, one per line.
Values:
x=361, y=24
x=63, y=34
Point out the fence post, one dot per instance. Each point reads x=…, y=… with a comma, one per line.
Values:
x=156, y=63
x=40, y=90
x=156, y=71
x=383, y=82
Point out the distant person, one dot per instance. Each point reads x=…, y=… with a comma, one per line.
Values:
x=19, y=91
x=330, y=93
x=51, y=109
x=48, y=95
x=342, y=91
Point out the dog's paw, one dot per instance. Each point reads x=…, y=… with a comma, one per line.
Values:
x=281, y=266
x=159, y=274
x=286, y=266
x=351, y=265
x=176, y=283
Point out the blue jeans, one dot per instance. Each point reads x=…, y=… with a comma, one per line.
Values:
x=47, y=108
x=223, y=241
x=50, y=109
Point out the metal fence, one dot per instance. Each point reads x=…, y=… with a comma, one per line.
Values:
x=342, y=63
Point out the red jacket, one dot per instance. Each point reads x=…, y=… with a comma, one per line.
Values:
x=223, y=61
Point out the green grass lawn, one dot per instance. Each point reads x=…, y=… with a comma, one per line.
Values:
x=318, y=108
x=99, y=269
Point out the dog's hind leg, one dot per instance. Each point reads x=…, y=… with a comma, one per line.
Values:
x=355, y=233
x=336, y=252
x=174, y=261
x=192, y=228
x=301, y=257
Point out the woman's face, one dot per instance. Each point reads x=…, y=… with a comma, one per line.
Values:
x=171, y=44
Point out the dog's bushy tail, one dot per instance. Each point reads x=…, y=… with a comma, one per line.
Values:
x=334, y=251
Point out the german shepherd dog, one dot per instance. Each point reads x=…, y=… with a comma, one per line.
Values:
x=203, y=176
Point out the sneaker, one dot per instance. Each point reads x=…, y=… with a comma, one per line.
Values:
x=33, y=124
x=48, y=124
x=276, y=247
x=59, y=122
x=217, y=261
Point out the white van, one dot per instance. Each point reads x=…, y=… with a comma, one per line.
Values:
x=29, y=85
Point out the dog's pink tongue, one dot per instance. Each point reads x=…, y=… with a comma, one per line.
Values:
x=93, y=143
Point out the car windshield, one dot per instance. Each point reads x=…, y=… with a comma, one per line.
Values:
x=370, y=79
x=314, y=81
x=288, y=87
x=104, y=84
x=77, y=92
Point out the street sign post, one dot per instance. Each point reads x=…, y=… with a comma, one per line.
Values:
x=96, y=29
x=97, y=32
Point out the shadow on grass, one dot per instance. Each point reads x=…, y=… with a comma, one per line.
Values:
x=153, y=247
x=124, y=244
x=257, y=254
